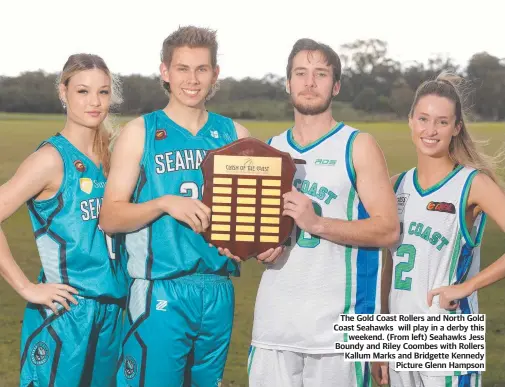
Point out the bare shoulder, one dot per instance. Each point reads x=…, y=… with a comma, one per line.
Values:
x=487, y=196
x=134, y=127
x=40, y=171
x=365, y=142
x=242, y=131
x=394, y=179
x=366, y=151
x=483, y=186
x=45, y=160
x=132, y=135
x=482, y=180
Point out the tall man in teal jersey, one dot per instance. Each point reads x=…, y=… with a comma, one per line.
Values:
x=181, y=300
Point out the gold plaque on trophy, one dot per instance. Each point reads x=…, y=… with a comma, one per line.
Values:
x=244, y=184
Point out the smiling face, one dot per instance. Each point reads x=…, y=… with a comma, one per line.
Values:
x=433, y=125
x=311, y=84
x=87, y=96
x=190, y=75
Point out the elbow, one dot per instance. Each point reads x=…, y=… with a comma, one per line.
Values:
x=391, y=235
x=106, y=222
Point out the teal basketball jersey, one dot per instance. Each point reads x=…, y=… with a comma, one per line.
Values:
x=72, y=247
x=170, y=165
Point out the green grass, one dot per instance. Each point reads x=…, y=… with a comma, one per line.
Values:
x=21, y=134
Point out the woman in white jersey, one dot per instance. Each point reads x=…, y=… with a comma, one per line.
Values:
x=442, y=204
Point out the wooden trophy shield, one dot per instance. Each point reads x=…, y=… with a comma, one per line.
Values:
x=243, y=186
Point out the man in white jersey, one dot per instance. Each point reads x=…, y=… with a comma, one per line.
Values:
x=345, y=210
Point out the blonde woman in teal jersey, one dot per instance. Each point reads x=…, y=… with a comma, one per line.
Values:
x=442, y=203
x=71, y=327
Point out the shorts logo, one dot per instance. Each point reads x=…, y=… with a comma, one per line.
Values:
x=401, y=202
x=161, y=305
x=161, y=134
x=40, y=353
x=79, y=165
x=441, y=207
x=86, y=185
x=130, y=367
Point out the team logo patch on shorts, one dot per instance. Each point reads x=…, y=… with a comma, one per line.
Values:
x=161, y=134
x=40, y=353
x=130, y=367
x=401, y=202
x=441, y=207
x=79, y=165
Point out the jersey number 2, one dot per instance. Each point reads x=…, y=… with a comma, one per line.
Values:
x=404, y=267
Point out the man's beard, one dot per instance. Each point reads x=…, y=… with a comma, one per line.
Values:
x=311, y=110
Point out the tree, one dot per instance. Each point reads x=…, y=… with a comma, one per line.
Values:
x=366, y=100
x=488, y=75
x=401, y=98
x=372, y=82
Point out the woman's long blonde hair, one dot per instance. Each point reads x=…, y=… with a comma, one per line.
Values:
x=109, y=129
x=463, y=149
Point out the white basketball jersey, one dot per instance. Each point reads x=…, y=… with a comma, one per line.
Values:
x=435, y=248
x=301, y=296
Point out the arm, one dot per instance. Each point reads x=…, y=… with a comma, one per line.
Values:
x=387, y=271
x=242, y=132
x=380, y=370
x=490, y=198
x=41, y=173
x=386, y=279
x=381, y=229
x=117, y=213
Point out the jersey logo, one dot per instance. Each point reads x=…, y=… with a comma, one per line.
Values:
x=86, y=185
x=441, y=207
x=161, y=134
x=401, y=202
x=325, y=162
x=40, y=353
x=161, y=305
x=214, y=133
x=130, y=367
x=79, y=165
